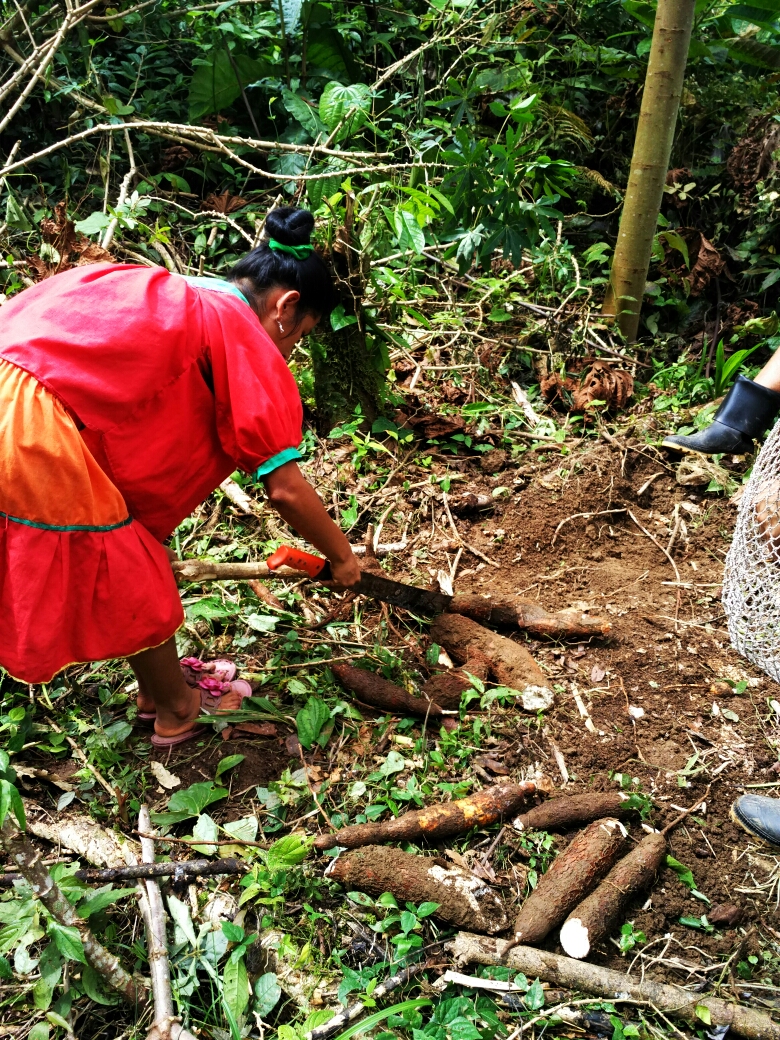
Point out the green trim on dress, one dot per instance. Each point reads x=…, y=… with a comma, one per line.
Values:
x=68, y=527
x=216, y=285
x=288, y=455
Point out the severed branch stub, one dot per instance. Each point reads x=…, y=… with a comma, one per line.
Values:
x=463, y=898
x=437, y=821
x=614, y=985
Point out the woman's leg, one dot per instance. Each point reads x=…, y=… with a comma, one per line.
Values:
x=162, y=688
x=770, y=374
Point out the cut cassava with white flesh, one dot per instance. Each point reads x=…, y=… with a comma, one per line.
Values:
x=566, y=973
x=530, y=616
x=436, y=822
x=559, y=814
x=597, y=915
x=464, y=899
x=573, y=874
x=377, y=691
x=510, y=664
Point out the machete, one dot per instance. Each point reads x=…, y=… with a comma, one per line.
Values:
x=421, y=601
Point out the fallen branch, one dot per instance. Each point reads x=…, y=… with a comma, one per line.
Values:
x=614, y=985
x=80, y=834
x=598, y=914
x=28, y=860
x=529, y=616
x=463, y=898
x=347, y=1015
x=559, y=814
x=373, y=689
x=187, y=868
x=573, y=873
x=510, y=664
x=165, y=1027
x=437, y=822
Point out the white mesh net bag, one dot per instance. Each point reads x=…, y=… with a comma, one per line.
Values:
x=751, y=581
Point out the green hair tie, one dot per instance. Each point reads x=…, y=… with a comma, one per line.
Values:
x=299, y=252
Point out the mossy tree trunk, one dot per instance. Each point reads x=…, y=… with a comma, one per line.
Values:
x=346, y=372
x=650, y=161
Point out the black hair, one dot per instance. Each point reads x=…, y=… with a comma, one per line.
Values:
x=265, y=268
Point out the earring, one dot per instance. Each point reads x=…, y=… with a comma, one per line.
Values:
x=281, y=327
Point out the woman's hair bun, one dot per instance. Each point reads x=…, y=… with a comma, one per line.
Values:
x=290, y=226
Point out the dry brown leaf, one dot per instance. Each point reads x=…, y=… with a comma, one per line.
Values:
x=224, y=203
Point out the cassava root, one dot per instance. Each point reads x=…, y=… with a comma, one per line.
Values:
x=558, y=814
x=373, y=689
x=529, y=616
x=596, y=916
x=614, y=985
x=573, y=873
x=437, y=821
x=463, y=898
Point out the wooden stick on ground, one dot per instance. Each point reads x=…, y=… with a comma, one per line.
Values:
x=603, y=982
x=186, y=868
x=28, y=860
x=153, y=912
x=347, y=1015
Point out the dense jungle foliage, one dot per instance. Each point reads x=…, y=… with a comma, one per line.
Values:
x=424, y=137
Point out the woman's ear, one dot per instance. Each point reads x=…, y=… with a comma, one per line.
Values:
x=286, y=305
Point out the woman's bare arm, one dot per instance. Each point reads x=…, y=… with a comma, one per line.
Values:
x=296, y=501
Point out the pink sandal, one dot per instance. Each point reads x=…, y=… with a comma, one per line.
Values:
x=194, y=671
x=212, y=692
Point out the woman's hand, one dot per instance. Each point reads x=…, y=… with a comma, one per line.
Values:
x=346, y=572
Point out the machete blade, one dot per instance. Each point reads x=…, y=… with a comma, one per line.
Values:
x=422, y=601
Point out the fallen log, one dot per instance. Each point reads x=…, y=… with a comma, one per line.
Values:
x=510, y=664
x=529, y=616
x=597, y=915
x=373, y=689
x=559, y=814
x=462, y=897
x=436, y=822
x=614, y=985
x=572, y=874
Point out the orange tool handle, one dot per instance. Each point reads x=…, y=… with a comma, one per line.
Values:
x=286, y=556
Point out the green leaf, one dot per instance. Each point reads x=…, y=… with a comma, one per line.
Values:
x=703, y=1012
x=206, y=830
x=291, y=10
x=426, y=909
x=15, y=217
x=245, y=829
x=340, y=320
x=50, y=967
x=93, y=224
x=40, y=1031
x=395, y=1009
x=303, y=113
x=287, y=852
x=115, y=107
x=643, y=12
x=232, y=932
x=764, y=55
x=409, y=233
x=180, y=913
x=95, y=988
x=235, y=986
x=68, y=941
x=261, y=622
x=5, y=969
x=394, y=763
x=310, y=720
x=267, y=994
x=534, y=998
x=338, y=99
x=756, y=15
x=683, y=873
x=102, y=898
x=328, y=52
x=195, y=798
x=11, y=801
x=215, y=86
x=228, y=763
x=677, y=242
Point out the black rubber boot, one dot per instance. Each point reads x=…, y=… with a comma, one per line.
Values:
x=747, y=412
x=759, y=816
